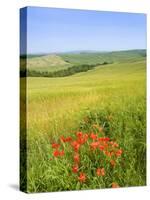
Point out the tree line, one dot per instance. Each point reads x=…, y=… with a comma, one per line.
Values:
x=61, y=73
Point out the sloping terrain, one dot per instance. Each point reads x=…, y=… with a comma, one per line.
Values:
x=47, y=63
x=94, y=58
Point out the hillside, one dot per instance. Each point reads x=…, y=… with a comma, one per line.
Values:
x=45, y=63
x=94, y=58
x=72, y=61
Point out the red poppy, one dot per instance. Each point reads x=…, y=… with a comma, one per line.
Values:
x=115, y=185
x=101, y=147
x=107, y=153
x=82, y=139
x=75, y=145
x=75, y=169
x=100, y=172
x=82, y=177
x=94, y=145
x=93, y=136
x=67, y=139
x=56, y=153
x=104, y=139
x=115, y=144
x=76, y=158
x=61, y=153
x=119, y=152
x=55, y=146
x=113, y=163
x=79, y=134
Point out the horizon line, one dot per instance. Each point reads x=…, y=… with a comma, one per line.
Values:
x=80, y=51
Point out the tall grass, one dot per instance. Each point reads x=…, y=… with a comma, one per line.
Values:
x=111, y=97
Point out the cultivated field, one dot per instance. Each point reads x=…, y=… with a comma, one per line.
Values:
x=88, y=130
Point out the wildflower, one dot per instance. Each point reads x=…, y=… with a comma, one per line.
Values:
x=107, y=153
x=105, y=144
x=55, y=146
x=101, y=147
x=76, y=158
x=82, y=139
x=61, y=153
x=75, y=169
x=75, y=145
x=113, y=163
x=56, y=153
x=82, y=177
x=93, y=136
x=114, y=144
x=67, y=139
x=94, y=145
x=118, y=152
x=115, y=185
x=104, y=139
x=100, y=172
x=79, y=134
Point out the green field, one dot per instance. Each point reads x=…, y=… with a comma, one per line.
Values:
x=111, y=57
x=112, y=97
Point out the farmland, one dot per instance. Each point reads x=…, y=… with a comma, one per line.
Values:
x=108, y=101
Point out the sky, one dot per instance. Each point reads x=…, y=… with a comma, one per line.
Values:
x=52, y=30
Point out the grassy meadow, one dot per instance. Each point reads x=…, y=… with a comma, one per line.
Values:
x=109, y=102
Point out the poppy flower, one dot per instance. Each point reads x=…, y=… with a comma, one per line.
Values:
x=67, y=139
x=75, y=169
x=115, y=185
x=101, y=147
x=56, y=153
x=79, y=134
x=61, y=153
x=82, y=177
x=100, y=172
x=113, y=163
x=107, y=153
x=115, y=144
x=94, y=145
x=118, y=152
x=75, y=145
x=83, y=139
x=76, y=158
x=55, y=146
x=104, y=139
x=93, y=136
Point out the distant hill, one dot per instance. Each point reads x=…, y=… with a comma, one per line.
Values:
x=94, y=58
x=45, y=63
x=56, y=62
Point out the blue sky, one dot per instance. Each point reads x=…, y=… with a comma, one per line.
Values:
x=60, y=30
